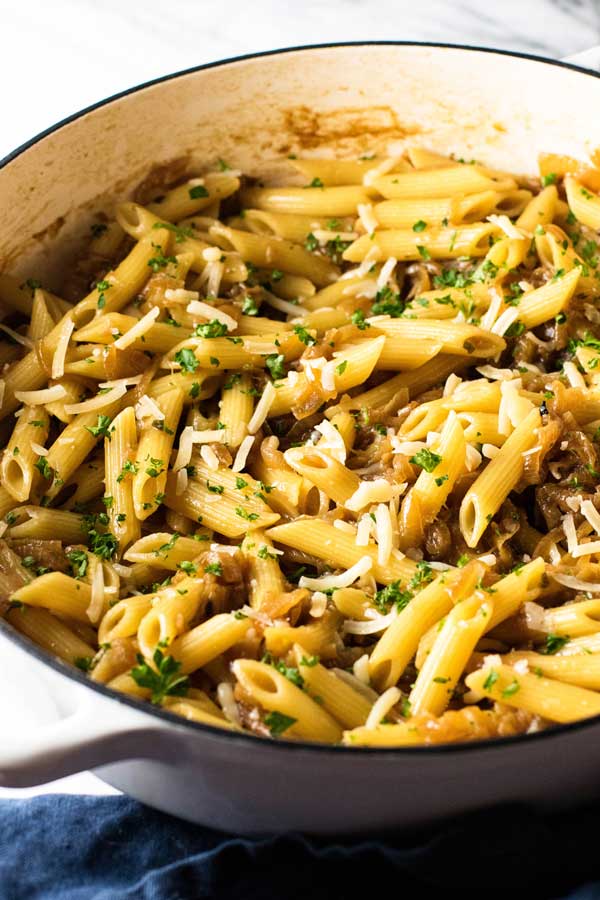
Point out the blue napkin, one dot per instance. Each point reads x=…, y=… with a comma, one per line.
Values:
x=64, y=847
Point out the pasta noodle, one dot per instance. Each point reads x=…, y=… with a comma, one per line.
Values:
x=317, y=458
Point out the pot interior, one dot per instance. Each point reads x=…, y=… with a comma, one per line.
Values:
x=254, y=112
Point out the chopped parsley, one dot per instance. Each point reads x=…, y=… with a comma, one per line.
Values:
x=554, y=643
x=188, y=567
x=213, y=329
x=101, y=429
x=358, y=318
x=315, y=183
x=392, y=595
x=491, y=680
x=160, y=261
x=278, y=722
x=187, y=359
x=420, y=225
x=423, y=252
x=304, y=335
x=197, y=192
x=249, y=307
x=165, y=681
x=511, y=688
x=264, y=553
x=426, y=459
x=311, y=243
x=129, y=467
x=342, y=367
x=214, y=568
x=550, y=178
x=387, y=303
x=41, y=464
x=244, y=514
x=275, y=363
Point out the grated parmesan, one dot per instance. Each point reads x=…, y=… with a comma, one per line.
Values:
x=377, y=491
x=383, y=533
x=97, y=402
x=242, y=454
x=210, y=457
x=344, y=579
x=60, y=354
x=96, y=607
x=331, y=440
x=228, y=704
x=573, y=375
x=570, y=532
x=37, y=448
x=373, y=625
x=146, y=407
x=181, y=295
x=382, y=706
x=198, y=308
x=262, y=408
x=386, y=272
x=361, y=669
x=39, y=398
x=140, y=328
x=318, y=604
x=367, y=217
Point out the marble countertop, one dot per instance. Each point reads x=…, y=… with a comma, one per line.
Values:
x=60, y=57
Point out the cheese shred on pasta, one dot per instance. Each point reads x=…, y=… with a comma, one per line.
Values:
x=306, y=454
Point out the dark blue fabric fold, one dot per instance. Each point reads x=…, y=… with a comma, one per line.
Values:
x=64, y=847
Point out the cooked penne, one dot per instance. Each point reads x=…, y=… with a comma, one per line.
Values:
x=313, y=442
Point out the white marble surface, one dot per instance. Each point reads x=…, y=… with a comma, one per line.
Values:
x=61, y=56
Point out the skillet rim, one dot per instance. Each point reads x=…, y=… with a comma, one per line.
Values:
x=74, y=674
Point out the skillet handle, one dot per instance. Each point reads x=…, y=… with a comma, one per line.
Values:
x=91, y=736
x=587, y=59
x=52, y=725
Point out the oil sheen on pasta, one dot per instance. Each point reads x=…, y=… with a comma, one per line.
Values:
x=318, y=461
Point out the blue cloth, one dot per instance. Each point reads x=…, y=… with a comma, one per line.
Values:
x=62, y=847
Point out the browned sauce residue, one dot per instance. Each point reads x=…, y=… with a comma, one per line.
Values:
x=312, y=128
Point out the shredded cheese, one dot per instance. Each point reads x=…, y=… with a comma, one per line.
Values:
x=262, y=408
x=367, y=217
x=377, y=491
x=60, y=354
x=344, y=579
x=318, y=604
x=228, y=704
x=242, y=454
x=138, y=330
x=41, y=397
x=383, y=533
x=370, y=626
x=100, y=401
x=210, y=457
x=573, y=375
x=180, y=295
x=382, y=706
x=386, y=272
x=146, y=407
x=361, y=669
x=570, y=531
x=198, y=308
